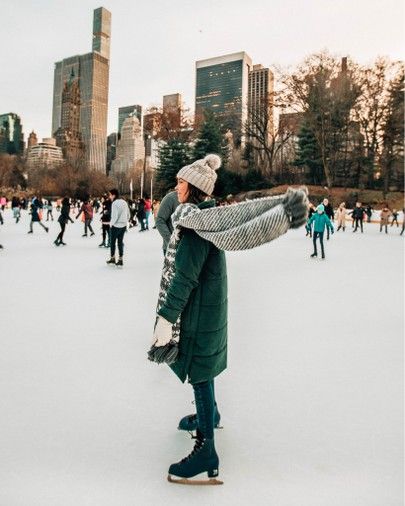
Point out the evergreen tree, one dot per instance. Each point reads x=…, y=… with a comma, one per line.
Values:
x=173, y=155
x=392, y=159
x=210, y=139
x=309, y=155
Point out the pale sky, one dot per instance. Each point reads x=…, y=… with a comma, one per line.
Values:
x=155, y=43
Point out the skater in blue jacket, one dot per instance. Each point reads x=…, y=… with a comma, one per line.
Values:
x=320, y=221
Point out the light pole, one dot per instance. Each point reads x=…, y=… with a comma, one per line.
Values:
x=143, y=179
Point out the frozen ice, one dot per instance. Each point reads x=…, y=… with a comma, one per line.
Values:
x=311, y=403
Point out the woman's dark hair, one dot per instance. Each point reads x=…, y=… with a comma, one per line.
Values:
x=65, y=201
x=195, y=195
x=115, y=192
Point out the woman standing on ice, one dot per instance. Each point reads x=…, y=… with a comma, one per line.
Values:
x=63, y=220
x=384, y=218
x=320, y=221
x=341, y=216
x=15, y=206
x=191, y=326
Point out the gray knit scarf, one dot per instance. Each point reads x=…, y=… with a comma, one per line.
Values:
x=238, y=226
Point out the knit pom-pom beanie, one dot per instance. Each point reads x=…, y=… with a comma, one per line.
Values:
x=202, y=173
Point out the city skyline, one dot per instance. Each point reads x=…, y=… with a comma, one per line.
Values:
x=146, y=67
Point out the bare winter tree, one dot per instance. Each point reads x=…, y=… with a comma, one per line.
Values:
x=169, y=123
x=324, y=91
x=265, y=140
x=372, y=107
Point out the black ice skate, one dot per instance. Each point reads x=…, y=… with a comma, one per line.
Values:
x=190, y=422
x=314, y=255
x=111, y=261
x=202, y=459
x=119, y=263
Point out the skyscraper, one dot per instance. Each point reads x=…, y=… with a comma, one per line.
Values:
x=68, y=136
x=11, y=134
x=172, y=110
x=32, y=140
x=129, y=110
x=260, y=128
x=222, y=87
x=92, y=72
x=130, y=151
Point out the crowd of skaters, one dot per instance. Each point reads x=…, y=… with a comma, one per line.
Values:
x=114, y=212
x=322, y=217
x=137, y=212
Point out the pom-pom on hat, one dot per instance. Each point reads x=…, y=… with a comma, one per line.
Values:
x=202, y=173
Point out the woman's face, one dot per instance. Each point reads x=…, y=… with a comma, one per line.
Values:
x=182, y=190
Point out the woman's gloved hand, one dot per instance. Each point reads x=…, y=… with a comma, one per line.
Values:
x=296, y=206
x=163, y=332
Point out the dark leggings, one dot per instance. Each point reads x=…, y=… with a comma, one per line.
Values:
x=117, y=234
x=320, y=235
x=87, y=225
x=204, y=395
x=106, y=232
x=357, y=221
x=62, y=231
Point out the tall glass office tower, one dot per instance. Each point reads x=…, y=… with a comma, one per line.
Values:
x=92, y=70
x=222, y=87
x=11, y=134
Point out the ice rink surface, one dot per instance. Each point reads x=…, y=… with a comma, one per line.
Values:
x=311, y=403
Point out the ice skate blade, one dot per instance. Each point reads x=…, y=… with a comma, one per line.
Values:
x=188, y=481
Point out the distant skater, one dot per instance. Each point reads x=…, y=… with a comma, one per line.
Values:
x=141, y=214
x=148, y=211
x=358, y=216
x=311, y=211
x=394, y=217
x=36, y=207
x=120, y=216
x=63, y=220
x=105, y=221
x=384, y=218
x=341, y=217
x=329, y=213
x=320, y=221
x=15, y=206
x=49, y=210
x=369, y=213
x=87, y=210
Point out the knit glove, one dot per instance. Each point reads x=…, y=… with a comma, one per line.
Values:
x=163, y=332
x=296, y=206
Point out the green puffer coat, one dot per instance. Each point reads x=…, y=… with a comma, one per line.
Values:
x=198, y=292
